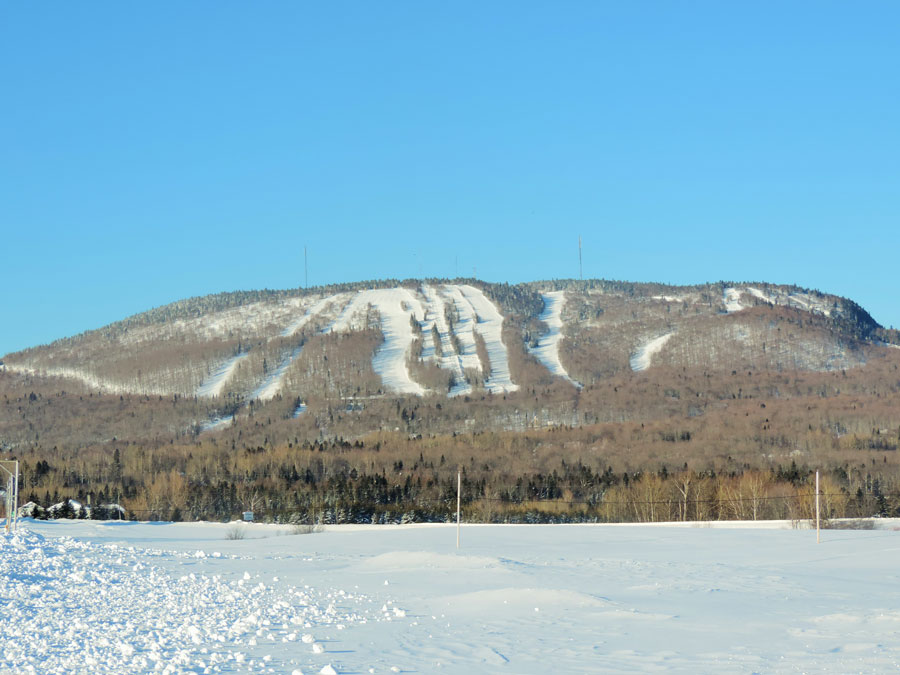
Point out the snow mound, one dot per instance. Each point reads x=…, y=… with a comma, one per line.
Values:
x=547, y=349
x=76, y=606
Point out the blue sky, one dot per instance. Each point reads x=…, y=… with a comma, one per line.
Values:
x=151, y=152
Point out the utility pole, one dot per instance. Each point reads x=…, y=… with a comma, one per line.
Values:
x=458, y=501
x=11, y=469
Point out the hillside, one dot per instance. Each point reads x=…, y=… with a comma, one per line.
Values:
x=531, y=379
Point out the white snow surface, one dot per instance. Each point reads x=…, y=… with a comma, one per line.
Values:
x=489, y=324
x=449, y=359
x=315, y=309
x=643, y=357
x=732, y=298
x=547, y=350
x=83, y=596
x=396, y=307
x=271, y=385
x=220, y=377
x=798, y=300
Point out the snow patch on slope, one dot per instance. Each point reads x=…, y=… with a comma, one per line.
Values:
x=449, y=359
x=732, y=299
x=220, y=377
x=317, y=307
x=547, y=350
x=396, y=308
x=642, y=358
x=489, y=324
x=272, y=384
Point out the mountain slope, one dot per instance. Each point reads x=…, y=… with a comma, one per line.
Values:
x=347, y=347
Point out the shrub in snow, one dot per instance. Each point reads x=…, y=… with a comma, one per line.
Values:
x=32, y=510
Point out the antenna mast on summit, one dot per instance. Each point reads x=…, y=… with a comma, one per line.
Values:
x=580, y=274
x=305, y=270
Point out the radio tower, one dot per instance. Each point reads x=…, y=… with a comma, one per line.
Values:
x=580, y=275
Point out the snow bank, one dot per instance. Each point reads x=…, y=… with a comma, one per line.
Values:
x=642, y=358
x=76, y=606
x=547, y=350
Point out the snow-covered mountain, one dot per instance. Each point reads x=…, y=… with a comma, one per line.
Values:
x=450, y=339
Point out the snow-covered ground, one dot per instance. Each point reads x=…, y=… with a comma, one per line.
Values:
x=732, y=300
x=316, y=308
x=449, y=359
x=547, y=350
x=489, y=324
x=220, y=377
x=643, y=356
x=271, y=385
x=396, y=307
x=81, y=596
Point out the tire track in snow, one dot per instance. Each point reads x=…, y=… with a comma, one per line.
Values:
x=547, y=349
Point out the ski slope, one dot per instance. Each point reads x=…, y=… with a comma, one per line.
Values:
x=396, y=308
x=220, y=377
x=643, y=356
x=449, y=360
x=489, y=324
x=272, y=384
x=547, y=350
x=316, y=308
x=83, y=596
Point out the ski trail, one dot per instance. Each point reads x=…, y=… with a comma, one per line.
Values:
x=547, y=350
x=755, y=292
x=340, y=322
x=641, y=359
x=732, y=298
x=217, y=423
x=464, y=330
x=317, y=307
x=490, y=326
x=449, y=359
x=216, y=383
x=396, y=308
x=272, y=384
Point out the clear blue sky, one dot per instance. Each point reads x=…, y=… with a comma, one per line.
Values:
x=155, y=151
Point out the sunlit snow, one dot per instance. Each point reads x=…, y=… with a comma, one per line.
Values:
x=85, y=596
x=643, y=357
x=547, y=350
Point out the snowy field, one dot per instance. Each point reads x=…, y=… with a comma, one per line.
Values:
x=183, y=598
